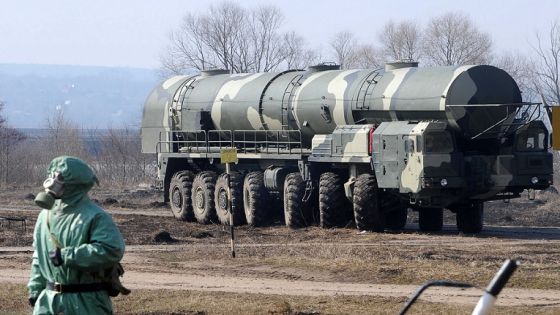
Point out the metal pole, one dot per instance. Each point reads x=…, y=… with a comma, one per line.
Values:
x=486, y=302
x=230, y=211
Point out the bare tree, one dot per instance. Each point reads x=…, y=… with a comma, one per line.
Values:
x=115, y=154
x=297, y=55
x=365, y=56
x=64, y=137
x=225, y=25
x=521, y=69
x=267, y=49
x=547, y=64
x=401, y=41
x=207, y=41
x=452, y=39
x=233, y=38
x=188, y=47
x=2, y=119
x=343, y=46
x=9, y=139
x=30, y=157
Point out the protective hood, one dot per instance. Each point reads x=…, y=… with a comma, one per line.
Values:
x=79, y=178
x=89, y=243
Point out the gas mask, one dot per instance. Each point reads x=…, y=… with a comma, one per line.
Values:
x=54, y=188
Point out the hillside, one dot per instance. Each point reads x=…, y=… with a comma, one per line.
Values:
x=91, y=97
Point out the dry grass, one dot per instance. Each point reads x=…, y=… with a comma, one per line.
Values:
x=169, y=302
x=543, y=211
x=14, y=299
x=397, y=258
x=392, y=265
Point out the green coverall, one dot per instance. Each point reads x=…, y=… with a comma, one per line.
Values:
x=90, y=243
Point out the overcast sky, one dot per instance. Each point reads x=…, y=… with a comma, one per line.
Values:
x=133, y=33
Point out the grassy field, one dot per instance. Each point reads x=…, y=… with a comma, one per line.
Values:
x=167, y=302
x=311, y=254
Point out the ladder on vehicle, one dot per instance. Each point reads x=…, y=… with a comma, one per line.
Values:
x=366, y=89
x=287, y=99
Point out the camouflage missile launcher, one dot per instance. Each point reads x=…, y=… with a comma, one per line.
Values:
x=361, y=145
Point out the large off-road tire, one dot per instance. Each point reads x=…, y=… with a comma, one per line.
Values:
x=296, y=214
x=221, y=199
x=470, y=218
x=396, y=219
x=334, y=208
x=180, y=196
x=255, y=199
x=203, y=197
x=430, y=219
x=367, y=207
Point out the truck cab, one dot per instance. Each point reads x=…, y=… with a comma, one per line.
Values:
x=533, y=168
x=418, y=160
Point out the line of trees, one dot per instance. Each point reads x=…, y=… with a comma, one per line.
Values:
x=114, y=153
x=238, y=39
x=231, y=37
x=9, y=139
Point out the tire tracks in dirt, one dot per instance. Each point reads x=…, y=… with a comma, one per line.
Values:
x=170, y=281
x=259, y=284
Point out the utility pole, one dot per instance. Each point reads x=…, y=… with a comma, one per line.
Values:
x=228, y=156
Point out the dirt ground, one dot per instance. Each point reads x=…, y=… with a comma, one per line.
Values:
x=307, y=271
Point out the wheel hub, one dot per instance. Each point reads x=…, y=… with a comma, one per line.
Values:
x=223, y=199
x=200, y=199
x=176, y=198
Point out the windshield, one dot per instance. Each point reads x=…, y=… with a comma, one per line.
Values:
x=438, y=142
x=531, y=140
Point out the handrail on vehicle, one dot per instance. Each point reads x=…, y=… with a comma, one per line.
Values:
x=194, y=140
x=524, y=111
x=268, y=141
x=246, y=141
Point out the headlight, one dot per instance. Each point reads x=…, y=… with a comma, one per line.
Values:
x=535, y=180
x=443, y=182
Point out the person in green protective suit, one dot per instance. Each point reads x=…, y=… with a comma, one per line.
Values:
x=75, y=243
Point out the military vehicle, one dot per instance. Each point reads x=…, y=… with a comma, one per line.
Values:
x=337, y=146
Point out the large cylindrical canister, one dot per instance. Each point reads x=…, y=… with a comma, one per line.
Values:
x=253, y=102
x=475, y=100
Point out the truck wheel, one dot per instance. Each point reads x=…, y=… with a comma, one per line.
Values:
x=180, y=196
x=431, y=219
x=203, y=197
x=396, y=219
x=470, y=218
x=295, y=212
x=221, y=199
x=255, y=198
x=333, y=205
x=367, y=208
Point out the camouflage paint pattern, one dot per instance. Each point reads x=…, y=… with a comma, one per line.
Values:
x=346, y=144
x=321, y=100
x=335, y=109
x=155, y=118
x=411, y=178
